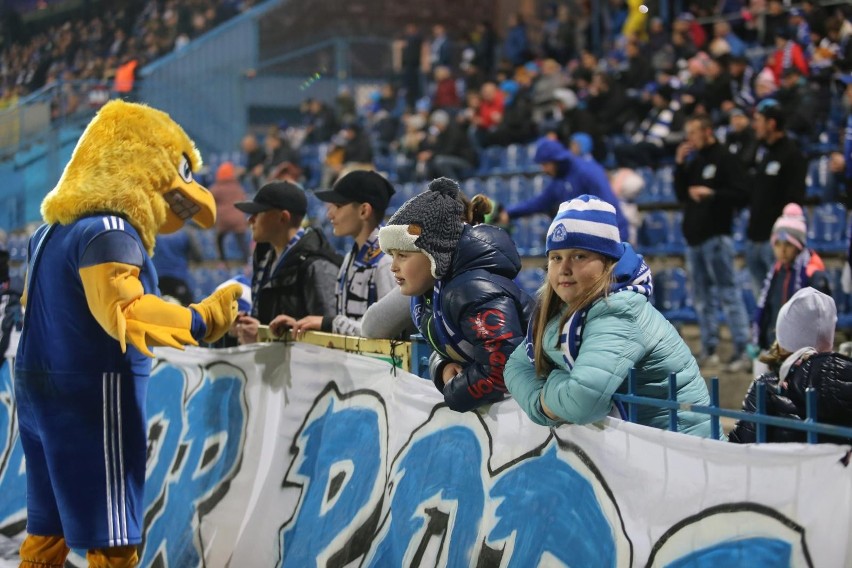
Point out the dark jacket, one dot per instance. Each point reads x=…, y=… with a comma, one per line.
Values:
x=482, y=305
x=830, y=374
x=712, y=166
x=779, y=179
x=575, y=176
x=452, y=141
x=302, y=285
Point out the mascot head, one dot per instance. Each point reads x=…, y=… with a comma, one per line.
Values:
x=135, y=161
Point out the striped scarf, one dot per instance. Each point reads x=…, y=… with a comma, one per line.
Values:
x=631, y=274
x=800, y=279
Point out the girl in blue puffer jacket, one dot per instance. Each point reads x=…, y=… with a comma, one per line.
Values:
x=463, y=297
x=593, y=323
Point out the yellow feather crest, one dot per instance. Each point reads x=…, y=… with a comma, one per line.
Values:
x=124, y=162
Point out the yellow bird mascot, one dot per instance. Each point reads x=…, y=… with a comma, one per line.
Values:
x=93, y=312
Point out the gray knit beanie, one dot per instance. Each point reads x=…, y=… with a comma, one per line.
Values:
x=430, y=222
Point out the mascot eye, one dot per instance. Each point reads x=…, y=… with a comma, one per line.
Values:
x=185, y=169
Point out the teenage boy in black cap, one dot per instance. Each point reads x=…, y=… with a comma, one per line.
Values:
x=356, y=206
x=295, y=269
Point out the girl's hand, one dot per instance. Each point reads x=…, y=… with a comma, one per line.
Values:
x=547, y=412
x=450, y=371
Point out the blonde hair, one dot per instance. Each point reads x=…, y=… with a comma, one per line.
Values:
x=774, y=357
x=549, y=305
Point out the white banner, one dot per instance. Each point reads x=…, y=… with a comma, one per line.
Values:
x=297, y=455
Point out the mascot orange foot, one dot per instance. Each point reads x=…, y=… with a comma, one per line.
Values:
x=93, y=313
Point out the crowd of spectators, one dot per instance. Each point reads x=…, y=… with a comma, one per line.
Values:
x=456, y=94
x=81, y=56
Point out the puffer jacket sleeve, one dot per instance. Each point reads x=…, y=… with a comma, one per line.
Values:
x=494, y=328
x=525, y=385
x=611, y=346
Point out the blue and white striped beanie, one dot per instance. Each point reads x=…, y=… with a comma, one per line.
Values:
x=586, y=223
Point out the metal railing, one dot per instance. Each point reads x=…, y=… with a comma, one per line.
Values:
x=809, y=425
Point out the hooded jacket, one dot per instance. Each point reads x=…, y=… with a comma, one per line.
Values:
x=475, y=316
x=574, y=176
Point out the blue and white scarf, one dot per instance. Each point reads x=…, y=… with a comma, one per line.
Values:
x=630, y=273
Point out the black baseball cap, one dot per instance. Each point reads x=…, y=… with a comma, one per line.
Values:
x=283, y=195
x=360, y=186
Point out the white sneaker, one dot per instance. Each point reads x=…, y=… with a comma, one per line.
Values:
x=709, y=361
x=738, y=364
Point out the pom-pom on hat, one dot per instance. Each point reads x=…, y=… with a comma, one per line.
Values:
x=791, y=226
x=586, y=223
x=430, y=222
x=806, y=320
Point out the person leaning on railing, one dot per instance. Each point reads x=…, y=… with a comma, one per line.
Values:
x=802, y=357
x=593, y=323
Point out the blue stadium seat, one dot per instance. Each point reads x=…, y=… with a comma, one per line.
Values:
x=530, y=280
x=816, y=182
x=207, y=242
x=529, y=234
x=842, y=300
x=520, y=187
x=517, y=158
x=664, y=181
x=232, y=248
x=677, y=242
x=16, y=245
x=492, y=160
x=655, y=234
x=827, y=228
x=472, y=186
x=672, y=295
x=649, y=194
x=496, y=188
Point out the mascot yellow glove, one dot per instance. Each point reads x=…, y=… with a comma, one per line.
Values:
x=219, y=310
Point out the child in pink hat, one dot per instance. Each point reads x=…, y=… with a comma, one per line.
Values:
x=796, y=267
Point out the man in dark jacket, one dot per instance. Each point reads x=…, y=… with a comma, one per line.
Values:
x=710, y=183
x=446, y=151
x=295, y=269
x=779, y=179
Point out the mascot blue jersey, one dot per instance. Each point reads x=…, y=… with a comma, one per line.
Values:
x=81, y=402
x=56, y=304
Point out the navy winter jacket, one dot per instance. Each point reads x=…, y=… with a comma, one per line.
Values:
x=480, y=318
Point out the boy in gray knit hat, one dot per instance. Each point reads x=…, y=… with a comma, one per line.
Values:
x=464, y=300
x=430, y=223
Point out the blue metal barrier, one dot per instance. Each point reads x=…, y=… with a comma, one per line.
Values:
x=760, y=418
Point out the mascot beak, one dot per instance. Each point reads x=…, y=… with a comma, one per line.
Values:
x=187, y=199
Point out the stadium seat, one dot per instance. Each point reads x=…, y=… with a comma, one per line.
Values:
x=664, y=182
x=648, y=195
x=497, y=188
x=672, y=296
x=207, y=242
x=529, y=234
x=517, y=158
x=827, y=228
x=530, y=280
x=816, y=181
x=842, y=300
x=677, y=242
x=654, y=235
x=492, y=161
